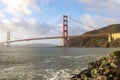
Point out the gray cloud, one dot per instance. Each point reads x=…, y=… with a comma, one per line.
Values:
x=97, y=21
x=16, y=17
x=102, y=6
x=24, y=28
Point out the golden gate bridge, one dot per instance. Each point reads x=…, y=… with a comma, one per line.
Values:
x=65, y=36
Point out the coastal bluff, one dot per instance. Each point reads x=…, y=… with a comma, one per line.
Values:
x=105, y=68
x=113, y=40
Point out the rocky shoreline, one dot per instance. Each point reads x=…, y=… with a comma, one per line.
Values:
x=106, y=68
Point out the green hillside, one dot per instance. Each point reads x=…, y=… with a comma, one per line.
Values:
x=97, y=41
x=115, y=28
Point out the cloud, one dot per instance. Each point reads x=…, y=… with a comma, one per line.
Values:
x=19, y=7
x=102, y=6
x=17, y=17
x=26, y=27
x=99, y=13
x=97, y=21
x=2, y=15
x=89, y=22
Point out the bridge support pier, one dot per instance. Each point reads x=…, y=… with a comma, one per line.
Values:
x=8, y=39
x=65, y=31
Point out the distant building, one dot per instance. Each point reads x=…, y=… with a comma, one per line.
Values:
x=113, y=36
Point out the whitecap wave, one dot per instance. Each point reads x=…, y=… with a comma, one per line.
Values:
x=66, y=56
x=58, y=74
x=47, y=61
x=20, y=73
x=78, y=57
x=29, y=73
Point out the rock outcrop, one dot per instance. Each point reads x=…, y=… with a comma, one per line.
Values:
x=106, y=68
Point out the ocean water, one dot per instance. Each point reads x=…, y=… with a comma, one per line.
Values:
x=36, y=63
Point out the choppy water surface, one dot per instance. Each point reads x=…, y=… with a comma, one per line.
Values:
x=35, y=63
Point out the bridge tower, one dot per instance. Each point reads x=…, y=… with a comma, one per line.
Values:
x=65, y=31
x=8, y=39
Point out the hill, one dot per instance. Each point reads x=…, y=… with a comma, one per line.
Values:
x=97, y=41
x=114, y=28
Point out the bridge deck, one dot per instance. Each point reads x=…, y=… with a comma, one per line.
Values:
x=58, y=37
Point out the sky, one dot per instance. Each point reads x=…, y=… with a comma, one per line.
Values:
x=40, y=18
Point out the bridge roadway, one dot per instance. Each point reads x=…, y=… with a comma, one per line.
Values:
x=59, y=37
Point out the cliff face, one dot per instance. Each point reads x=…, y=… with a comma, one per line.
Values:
x=89, y=42
x=97, y=41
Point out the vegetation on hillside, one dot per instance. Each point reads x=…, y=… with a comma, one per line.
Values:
x=97, y=41
x=88, y=42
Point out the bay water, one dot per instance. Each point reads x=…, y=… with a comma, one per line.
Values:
x=48, y=63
